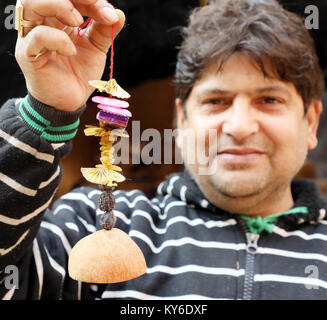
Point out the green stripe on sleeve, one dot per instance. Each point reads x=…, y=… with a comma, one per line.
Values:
x=34, y=113
x=59, y=132
x=64, y=128
x=59, y=137
x=29, y=120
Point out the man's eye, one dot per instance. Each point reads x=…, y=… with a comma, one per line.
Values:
x=270, y=100
x=215, y=102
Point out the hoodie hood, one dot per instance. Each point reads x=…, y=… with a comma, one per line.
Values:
x=305, y=194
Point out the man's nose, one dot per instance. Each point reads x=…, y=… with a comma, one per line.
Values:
x=241, y=121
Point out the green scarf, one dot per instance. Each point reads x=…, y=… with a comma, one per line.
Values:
x=259, y=224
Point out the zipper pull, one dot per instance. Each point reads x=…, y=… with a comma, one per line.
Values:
x=252, y=242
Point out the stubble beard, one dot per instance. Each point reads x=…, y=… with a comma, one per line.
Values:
x=234, y=194
x=236, y=188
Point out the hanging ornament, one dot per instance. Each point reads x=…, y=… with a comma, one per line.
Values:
x=108, y=255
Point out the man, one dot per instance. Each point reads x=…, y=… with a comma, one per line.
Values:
x=235, y=226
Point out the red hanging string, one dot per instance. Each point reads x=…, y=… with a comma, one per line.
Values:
x=112, y=53
x=80, y=33
x=86, y=25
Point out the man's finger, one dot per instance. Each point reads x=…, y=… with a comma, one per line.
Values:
x=101, y=11
x=100, y=35
x=85, y=2
x=63, y=10
x=47, y=38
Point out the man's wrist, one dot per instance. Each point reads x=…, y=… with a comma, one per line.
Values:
x=51, y=124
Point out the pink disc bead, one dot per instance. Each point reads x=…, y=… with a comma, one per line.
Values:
x=110, y=102
x=115, y=110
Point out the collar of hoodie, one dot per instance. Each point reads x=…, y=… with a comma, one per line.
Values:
x=305, y=194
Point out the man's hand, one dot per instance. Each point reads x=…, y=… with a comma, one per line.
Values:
x=60, y=76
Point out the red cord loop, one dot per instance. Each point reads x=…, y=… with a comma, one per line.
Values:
x=86, y=24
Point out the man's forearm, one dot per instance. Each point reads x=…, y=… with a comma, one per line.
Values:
x=33, y=139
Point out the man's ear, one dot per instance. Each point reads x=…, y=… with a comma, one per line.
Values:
x=180, y=113
x=313, y=116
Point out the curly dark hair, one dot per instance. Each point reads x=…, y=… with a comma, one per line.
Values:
x=263, y=30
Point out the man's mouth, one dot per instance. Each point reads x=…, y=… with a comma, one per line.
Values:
x=239, y=155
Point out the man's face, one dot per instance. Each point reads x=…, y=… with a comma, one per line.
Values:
x=262, y=134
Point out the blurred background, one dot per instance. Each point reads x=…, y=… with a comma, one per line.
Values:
x=144, y=64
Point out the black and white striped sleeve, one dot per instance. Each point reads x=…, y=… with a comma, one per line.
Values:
x=33, y=139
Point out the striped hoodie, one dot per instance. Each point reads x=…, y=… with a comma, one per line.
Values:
x=193, y=249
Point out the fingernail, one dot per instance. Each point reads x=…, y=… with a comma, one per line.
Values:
x=109, y=15
x=78, y=17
